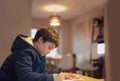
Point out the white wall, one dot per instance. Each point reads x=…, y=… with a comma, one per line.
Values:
x=15, y=18
x=81, y=38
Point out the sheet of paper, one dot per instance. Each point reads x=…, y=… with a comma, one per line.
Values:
x=81, y=79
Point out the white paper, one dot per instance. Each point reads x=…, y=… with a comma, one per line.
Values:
x=81, y=79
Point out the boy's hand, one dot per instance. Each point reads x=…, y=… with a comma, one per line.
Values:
x=71, y=76
x=58, y=77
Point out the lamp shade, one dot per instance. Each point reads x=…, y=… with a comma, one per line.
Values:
x=55, y=20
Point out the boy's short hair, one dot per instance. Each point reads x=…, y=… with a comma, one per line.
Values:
x=48, y=34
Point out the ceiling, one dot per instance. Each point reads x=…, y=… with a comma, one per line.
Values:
x=74, y=9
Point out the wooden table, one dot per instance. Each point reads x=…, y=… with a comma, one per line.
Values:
x=89, y=78
x=83, y=78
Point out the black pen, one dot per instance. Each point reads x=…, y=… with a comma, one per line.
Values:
x=59, y=71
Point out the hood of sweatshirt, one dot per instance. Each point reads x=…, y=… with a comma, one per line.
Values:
x=22, y=42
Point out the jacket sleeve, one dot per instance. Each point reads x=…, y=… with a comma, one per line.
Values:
x=23, y=68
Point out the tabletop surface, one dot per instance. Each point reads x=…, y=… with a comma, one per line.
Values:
x=82, y=77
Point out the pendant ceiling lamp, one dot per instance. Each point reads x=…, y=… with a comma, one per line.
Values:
x=55, y=20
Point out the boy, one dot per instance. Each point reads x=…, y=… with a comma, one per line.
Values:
x=27, y=61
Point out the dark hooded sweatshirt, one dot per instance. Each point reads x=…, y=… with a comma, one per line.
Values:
x=24, y=64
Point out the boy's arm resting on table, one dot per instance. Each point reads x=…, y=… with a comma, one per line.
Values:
x=23, y=68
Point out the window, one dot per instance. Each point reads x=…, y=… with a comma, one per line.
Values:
x=33, y=32
x=101, y=48
x=53, y=53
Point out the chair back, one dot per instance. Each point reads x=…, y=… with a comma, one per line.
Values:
x=66, y=62
x=83, y=63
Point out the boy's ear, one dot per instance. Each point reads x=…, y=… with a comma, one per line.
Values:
x=40, y=40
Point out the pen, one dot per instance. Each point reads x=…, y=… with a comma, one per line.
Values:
x=59, y=77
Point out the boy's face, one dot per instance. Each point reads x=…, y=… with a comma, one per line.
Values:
x=45, y=47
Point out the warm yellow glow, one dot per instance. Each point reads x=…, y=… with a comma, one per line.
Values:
x=55, y=24
x=54, y=8
x=55, y=20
